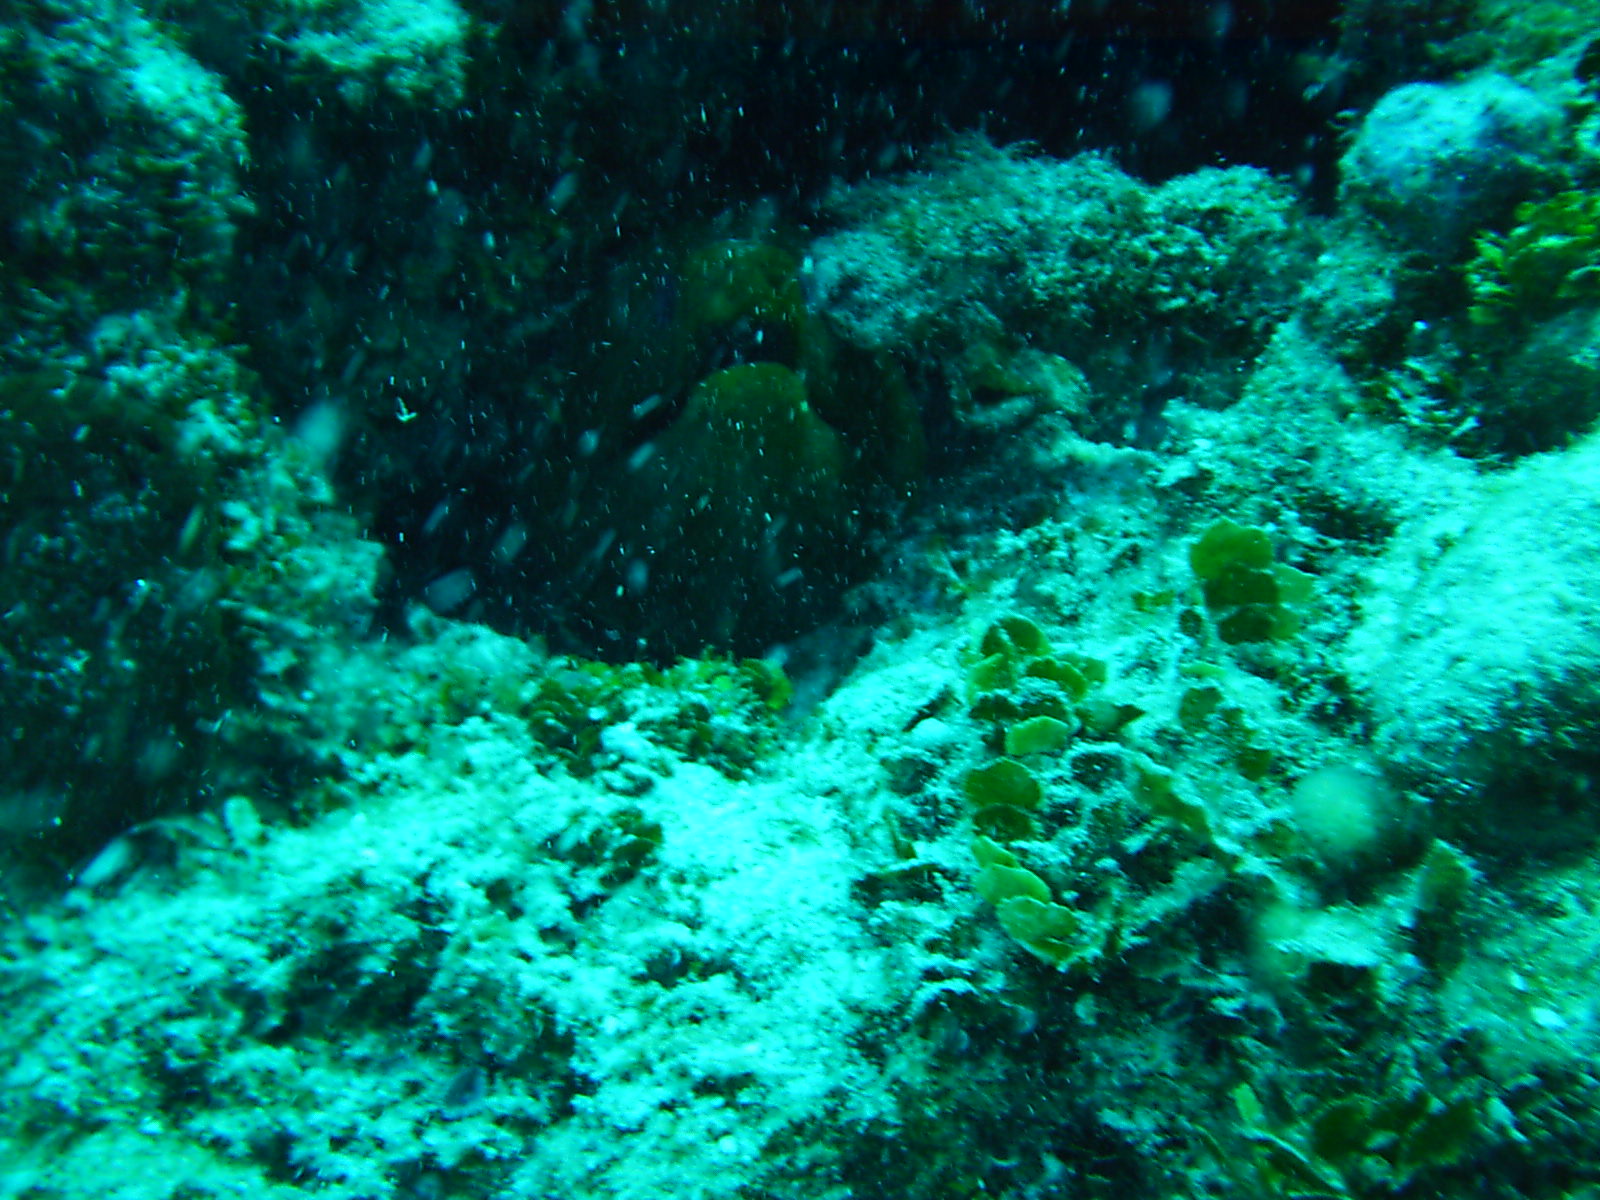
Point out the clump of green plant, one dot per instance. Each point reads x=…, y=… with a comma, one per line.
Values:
x=1514, y=35
x=1547, y=261
x=712, y=710
x=715, y=710
x=1034, y=698
x=616, y=846
x=1059, y=935
x=1425, y=393
x=1357, y=1146
x=1251, y=597
x=731, y=457
x=1003, y=794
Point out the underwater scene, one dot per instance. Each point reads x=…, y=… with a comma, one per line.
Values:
x=800, y=599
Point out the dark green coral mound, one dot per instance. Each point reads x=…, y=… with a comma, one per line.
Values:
x=742, y=459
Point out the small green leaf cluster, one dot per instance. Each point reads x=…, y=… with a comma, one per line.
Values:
x=1053, y=932
x=714, y=710
x=1358, y=1146
x=711, y=710
x=1251, y=597
x=1035, y=699
x=1548, y=260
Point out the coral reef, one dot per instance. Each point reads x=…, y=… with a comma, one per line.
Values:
x=592, y=609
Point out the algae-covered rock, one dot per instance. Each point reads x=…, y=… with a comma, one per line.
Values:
x=1070, y=257
x=173, y=576
x=111, y=650
x=172, y=571
x=121, y=173
x=1435, y=161
x=397, y=53
x=1479, y=653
